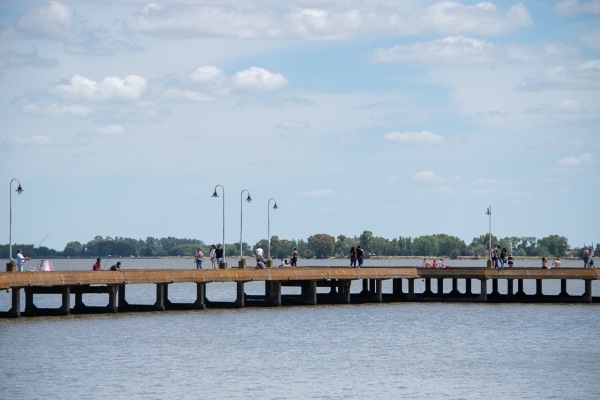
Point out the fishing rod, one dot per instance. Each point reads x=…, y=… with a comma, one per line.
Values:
x=42, y=240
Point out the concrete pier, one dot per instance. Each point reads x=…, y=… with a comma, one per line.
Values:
x=338, y=280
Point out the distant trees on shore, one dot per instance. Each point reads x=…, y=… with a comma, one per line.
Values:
x=316, y=246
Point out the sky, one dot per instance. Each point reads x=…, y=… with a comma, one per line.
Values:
x=404, y=118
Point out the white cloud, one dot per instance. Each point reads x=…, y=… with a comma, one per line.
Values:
x=51, y=20
x=584, y=159
x=14, y=59
x=427, y=176
x=110, y=130
x=110, y=88
x=564, y=107
x=572, y=7
x=187, y=96
x=208, y=74
x=292, y=124
x=464, y=50
x=89, y=42
x=56, y=110
x=331, y=21
x=255, y=78
x=581, y=77
x=318, y=194
x=414, y=137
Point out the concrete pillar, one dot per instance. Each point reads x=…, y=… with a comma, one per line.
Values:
x=510, y=291
x=345, y=292
x=112, y=298
x=121, y=296
x=440, y=286
x=397, y=287
x=242, y=263
x=428, y=291
x=454, y=291
x=241, y=296
x=268, y=291
x=11, y=266
x=30, y=307
x=587, y=295
x=311, y=292
x=15, y=309
x=468, y=290
x=483, y=295
x=65, y=308
x=411, y=289
x=563, y=288
x=269, y=264
x=495, y=288
x=378, y=290
x=79, y=305
x=166, y=294
x=222, y=265
x=538, y=287
x=520, y=291
x=200, y=296
x=276, y=293
x=372, y=286
x=365, y=289
x=160, y=296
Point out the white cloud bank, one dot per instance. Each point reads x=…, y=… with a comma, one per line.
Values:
x=572, y=7
x=464, y=50
x=584, y=159
x=414, y=137
x=14, y=59
x=255, y=78
x=584, y=76
x=333, y=21
x=427, y=176
x=53, y=20
x=109, y=88
x=564, y=107
x=111, y=130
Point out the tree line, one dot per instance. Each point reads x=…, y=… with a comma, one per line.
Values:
x=316, y=246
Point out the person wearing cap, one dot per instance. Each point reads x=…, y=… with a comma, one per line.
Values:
x=21, y=260
x=116, y=267
x=97, y=266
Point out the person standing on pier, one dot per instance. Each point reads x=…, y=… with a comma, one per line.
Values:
x=502, y=257
x=353, y=257
x=294, y=257
x=97, y=266
x=260, y=254
x=213, y=257
x=360, y=256
x=510, y=261
x=219, y=254
x=586, y=257
x=21, y=260
x=199, y=256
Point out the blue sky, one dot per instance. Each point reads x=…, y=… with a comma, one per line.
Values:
x=403, y=118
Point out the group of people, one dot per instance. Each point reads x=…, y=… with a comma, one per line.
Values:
x=216, y=256
x=588, y=258
x=434, y=263
x=98, y=265
x=357, y=254
x=500, y=257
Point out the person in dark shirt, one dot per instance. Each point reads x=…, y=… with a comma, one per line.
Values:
x=219, y=253
x=116, y=267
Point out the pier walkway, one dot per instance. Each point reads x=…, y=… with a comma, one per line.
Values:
x=114, y=283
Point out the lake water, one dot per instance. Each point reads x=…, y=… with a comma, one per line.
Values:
x=405, y=350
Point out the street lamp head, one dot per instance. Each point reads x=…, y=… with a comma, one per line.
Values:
x=215, y=194
x=275, y=206
x=19, y=189
x=248, y=199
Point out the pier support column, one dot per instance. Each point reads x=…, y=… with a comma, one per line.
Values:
x=241, y=296
x=112, y=298
x=483, y=295
x=454, y=292
x=397, y=287
x=428, y=291
x=520, y=291
x=15, y=309
x=495, y=291
x=510, y=291
x=121, y=297
x=372, y=289
x=468, y=290
x=378, y=291
x=79, y=305
x=160, y=296
x=365, y=289
x=268, y=291
x=440, y=287
x=65, y=308
x=587, y=295
x=411, y=289
x=200, y=296
x=311, y=292
x=276, y=293
x=563, y=288
x=538, y=288
x=30, y=307
x=344, y=291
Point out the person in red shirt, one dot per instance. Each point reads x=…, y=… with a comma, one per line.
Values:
x=97, y=266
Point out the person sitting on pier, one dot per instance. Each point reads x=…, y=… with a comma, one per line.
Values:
x=544, y=263
x=283, y=264
x=510, y=261
x=591, y=264
x=116, y=267
x=442, y=264
x=97, y=266
x=556, y=262
x=435, y=264
x=260, y=265
x=426, y=264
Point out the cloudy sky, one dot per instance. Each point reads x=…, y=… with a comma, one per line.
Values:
x=403, y=118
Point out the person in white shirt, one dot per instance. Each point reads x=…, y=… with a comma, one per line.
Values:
x=21, y=260
x=260, y=254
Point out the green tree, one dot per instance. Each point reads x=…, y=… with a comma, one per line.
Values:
x=556, y=245
x=322, y=244
x=73, y=249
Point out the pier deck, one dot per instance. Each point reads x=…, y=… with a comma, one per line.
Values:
x=338, y=280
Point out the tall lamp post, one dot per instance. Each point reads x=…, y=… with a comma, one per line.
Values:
x=248, y=199
x=19, y=190
x=489, y=212
x=216, y=195
x=269, y=222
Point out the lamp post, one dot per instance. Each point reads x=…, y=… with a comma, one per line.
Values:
x=269, y=222
x=216, y=195
x=248, y=199
x=489, y=212
x=19, y=190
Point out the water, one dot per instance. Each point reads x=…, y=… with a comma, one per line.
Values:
x=408, y=350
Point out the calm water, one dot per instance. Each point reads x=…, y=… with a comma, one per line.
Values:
x=431, y=351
